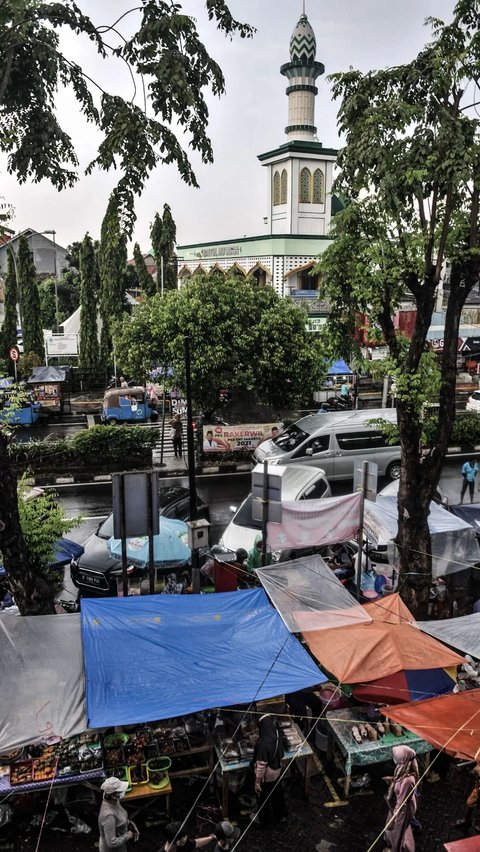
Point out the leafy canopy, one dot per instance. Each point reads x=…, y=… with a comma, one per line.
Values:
x=165, y=53
x=241, y=335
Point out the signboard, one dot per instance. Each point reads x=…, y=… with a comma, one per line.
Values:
x=61, y=344
x=135, y=496
x=13, y=353
x=372, y=479
x=178, y=405
x=246, y=436
x=274, y=494
x=316, y=323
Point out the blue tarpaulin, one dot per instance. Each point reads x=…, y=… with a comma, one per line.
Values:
x=160, y=656
x=339, y=368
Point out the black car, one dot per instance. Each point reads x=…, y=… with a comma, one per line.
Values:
x=96, y=572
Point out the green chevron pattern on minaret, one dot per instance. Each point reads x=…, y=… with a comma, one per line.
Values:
x=303, y=45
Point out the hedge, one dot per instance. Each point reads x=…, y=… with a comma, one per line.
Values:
x=99, y=449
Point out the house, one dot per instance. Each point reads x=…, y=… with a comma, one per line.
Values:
x=48, y=256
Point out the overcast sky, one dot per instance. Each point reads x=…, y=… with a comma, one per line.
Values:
x=248, y=120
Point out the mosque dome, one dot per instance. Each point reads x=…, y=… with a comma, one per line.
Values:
x=303, y=45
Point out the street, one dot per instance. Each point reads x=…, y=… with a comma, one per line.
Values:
x=93, y=501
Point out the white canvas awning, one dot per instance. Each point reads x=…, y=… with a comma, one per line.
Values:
x=462, y=633
x=42, y=691
x=454, y=543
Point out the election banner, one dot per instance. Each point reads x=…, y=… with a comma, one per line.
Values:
x=246, y=436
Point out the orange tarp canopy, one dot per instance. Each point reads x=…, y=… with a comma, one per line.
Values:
x=363, y=652
x=451, y=721
x=390, y=609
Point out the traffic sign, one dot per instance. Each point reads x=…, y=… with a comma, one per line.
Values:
x=13, y=353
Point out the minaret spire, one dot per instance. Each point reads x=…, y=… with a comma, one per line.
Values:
x=301, y=73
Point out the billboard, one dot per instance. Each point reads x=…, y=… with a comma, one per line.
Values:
x=246, y=436
x=61, y=344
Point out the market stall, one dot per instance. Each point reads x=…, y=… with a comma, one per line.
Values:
x=347, y=752
x=454, y=543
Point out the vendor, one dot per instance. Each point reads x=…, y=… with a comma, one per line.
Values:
x=267, y=759
x=341, y=562
x=113, y=821
x=177, y=838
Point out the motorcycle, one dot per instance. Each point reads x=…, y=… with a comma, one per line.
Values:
x=341, y=403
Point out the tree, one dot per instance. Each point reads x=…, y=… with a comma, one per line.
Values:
x=88, y=356
x=145, y=280
x=112, y=258
x=411, y=170
x=156, y=238
x=168, y=56
x=30, y=300
x=165, y=52
x=237, y=340
x=8, y=334
x=167, y=249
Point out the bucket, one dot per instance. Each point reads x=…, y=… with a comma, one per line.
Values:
x=370, y=595
x=157, y=772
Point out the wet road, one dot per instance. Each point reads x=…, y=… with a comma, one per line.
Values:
x=93, y=502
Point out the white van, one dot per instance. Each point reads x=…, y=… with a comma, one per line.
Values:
x=332, y=440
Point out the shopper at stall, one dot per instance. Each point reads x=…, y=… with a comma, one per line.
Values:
x=402, y=800
x=471, y=804
x=177, y=838
x=113, y=821
x=267, y=759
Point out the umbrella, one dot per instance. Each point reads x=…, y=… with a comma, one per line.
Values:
x=170, y=545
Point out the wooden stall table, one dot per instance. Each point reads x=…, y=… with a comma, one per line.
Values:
x=342, y=745
x=143, y=791
x=242, y=764
x=7, y=789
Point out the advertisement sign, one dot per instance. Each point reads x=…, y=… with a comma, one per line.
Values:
x=61, y=344
x=246, y=436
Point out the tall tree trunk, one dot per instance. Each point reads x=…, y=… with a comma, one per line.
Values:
x=33, y=595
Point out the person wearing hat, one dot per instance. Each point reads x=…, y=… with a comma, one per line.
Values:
x=113, y=823
x=177, y=838
x=225, y=834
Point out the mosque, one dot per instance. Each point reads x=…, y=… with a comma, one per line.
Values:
x=300, y=199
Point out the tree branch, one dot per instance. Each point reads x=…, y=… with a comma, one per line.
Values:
x=6, y=73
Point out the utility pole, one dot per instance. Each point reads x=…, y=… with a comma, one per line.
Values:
x=192, y=486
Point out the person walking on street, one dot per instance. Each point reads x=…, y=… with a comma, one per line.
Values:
x=176, y=435
x=113, y=823
x=401, y=800
x=267, y=759
x=469, y=473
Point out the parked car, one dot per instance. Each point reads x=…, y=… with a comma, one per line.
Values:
x=333, y=440
x=126, y=405
x=473, y=402
x=299, y=482
x=94, y=572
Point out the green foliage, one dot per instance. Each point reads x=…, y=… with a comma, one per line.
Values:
x=46, y=292
x=27, y=362
x=465, y=432
x=43, y=522
x=145, y=280
x=88, y=355
x=30, y=300
x=156, y=239
x=165, y=52
x=112, y=258
x=167, y=249
x=8, y=333
x=102, y=448
x=241, y=335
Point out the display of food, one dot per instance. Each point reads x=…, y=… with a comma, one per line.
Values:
x=45, y=768
x=138, y=774
x=21, y=773
x=114, y=756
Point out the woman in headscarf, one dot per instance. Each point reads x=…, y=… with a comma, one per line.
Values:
x=402, y=800
x=267, y=758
